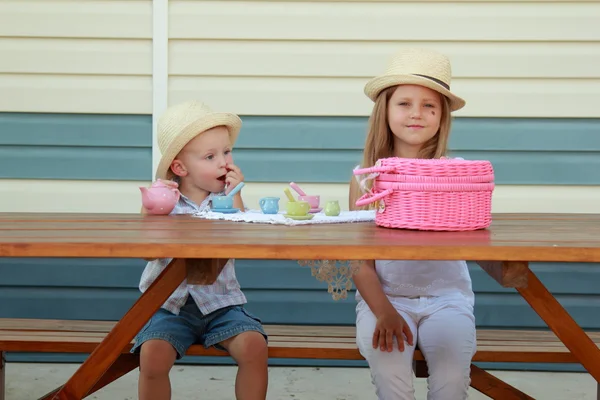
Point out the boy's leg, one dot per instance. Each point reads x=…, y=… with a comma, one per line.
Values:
x=391, y=373
x=242, y=335
x=164, y=339
x=447, y=340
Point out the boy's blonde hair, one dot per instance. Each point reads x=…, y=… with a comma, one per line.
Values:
x=380, y=138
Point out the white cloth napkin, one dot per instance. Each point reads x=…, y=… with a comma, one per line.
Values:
x=279, y=219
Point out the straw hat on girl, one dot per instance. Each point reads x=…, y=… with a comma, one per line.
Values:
x=181, y=123
x=417, y=67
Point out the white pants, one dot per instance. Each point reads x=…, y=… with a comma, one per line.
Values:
x=444, y=330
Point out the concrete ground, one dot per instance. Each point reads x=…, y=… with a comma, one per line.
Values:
x=30, y=381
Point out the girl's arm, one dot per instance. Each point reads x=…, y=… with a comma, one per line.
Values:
x=389, y=322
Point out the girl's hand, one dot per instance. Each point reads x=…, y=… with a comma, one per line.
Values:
x=389, y=325
x=233, y=177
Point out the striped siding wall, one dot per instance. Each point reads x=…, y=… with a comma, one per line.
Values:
x=76, y=126
x=62, y=158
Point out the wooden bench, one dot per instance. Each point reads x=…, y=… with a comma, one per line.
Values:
x=286, y=341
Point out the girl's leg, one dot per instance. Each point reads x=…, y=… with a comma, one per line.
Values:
x=447, y=340
x=391, y=373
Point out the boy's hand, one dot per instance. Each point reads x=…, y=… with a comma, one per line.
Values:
x=233, y=178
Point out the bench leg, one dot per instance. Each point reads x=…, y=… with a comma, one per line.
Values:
x=493, y=387
x=2, y=376
x=125, y=363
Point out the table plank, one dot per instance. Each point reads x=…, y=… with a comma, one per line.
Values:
x=512, y=237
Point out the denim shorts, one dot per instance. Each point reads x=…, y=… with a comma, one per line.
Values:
x=192, y=327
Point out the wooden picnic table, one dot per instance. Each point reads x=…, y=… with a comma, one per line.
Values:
x=503, y=251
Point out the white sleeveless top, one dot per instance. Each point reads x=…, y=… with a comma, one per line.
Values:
x=415, y=278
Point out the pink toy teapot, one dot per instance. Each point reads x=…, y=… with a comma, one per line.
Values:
x=160, y=198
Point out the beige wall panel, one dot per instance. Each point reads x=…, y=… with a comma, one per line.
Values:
x=124, y=197
x=412, y=1
x=76, y=18
x=365, y=59
x=344, y=96
x=379, y=21
x=70, y=56
x=70, y=196
x=76, y=93
x=510, y=59
x=75, y=56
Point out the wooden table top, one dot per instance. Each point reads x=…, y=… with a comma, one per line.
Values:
x=512, y=237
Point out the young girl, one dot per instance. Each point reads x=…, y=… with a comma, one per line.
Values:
x=405, y=303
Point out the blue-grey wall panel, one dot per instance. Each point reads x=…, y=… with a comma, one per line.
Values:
x=75, y=146
x=303, y=149
x=279, y=291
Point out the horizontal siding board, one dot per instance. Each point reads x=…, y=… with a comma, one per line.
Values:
x=104, y=196
x=77, y=130
x=343, y=96
x=94, y=273
x=75, y=56
x=77, y=19
x=378, y=21
x=348, y=133
x=96, y=163
x=60, y=93
x=359, y=59
x=274, y=306
x=283, y=149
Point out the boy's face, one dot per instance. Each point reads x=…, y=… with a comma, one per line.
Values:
x=202, y=161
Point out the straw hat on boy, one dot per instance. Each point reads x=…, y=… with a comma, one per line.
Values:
x=181, y=123
x=417, y=67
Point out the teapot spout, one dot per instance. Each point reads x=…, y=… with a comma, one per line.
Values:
x=147, y=201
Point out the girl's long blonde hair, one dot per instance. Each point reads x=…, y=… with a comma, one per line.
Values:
x=380, y=138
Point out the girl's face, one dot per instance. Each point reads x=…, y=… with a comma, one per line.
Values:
x=414, y=113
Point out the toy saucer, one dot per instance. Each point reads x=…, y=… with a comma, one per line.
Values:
x=300, y=217
x=315, y=210
x=225, y=210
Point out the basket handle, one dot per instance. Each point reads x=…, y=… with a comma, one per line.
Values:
x=365, y=199
x=362, y=171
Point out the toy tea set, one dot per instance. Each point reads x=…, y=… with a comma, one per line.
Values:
x=160, y=199
x=421, y=194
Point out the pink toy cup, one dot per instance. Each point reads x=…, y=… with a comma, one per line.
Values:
x=312, y=200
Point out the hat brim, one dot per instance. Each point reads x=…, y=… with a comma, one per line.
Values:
x=377, y=84
x=212, y=120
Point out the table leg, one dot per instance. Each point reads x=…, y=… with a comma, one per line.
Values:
x=562, y=324
x=2, y=376
x=107, y=352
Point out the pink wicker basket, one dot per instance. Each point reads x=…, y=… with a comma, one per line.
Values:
x=430, y=194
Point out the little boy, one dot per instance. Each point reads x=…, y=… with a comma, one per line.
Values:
x=196, y=144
